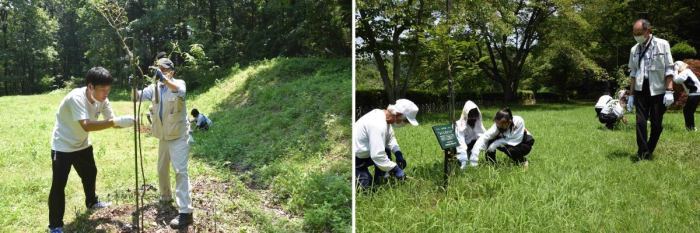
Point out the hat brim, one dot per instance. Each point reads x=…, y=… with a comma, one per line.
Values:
x=413, y=121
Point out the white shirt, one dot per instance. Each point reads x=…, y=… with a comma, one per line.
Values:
x=656, y=64
x=371, y=135
x=201, y=118
x=68, y=135
x=465, y=134
x=602, y=101
x=613, y=107
x=690, y=82
x=511, y=137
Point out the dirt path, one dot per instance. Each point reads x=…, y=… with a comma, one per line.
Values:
x=220, y=206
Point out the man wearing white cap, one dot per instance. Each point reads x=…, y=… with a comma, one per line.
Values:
x=170, y=125
x=373, y=133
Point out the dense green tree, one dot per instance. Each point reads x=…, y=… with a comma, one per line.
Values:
x=57, y=40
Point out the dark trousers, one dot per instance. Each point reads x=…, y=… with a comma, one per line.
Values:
x=597, y=112
x=689, y=111
x=364, y=178
x=649, y=108
x=517, y=153
x=470, y=145
x=203, y=126
x=608, y=119
x=84, y=163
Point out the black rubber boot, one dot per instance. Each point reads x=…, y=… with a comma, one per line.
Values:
x=181, y=221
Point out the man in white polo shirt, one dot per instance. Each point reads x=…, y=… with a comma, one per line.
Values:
x=170, y=126
x=70, y=145
x=651, y=71
x=372, y=134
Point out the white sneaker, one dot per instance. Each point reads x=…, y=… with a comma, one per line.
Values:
x=473, y=164
x=100, y=205
x=525, y=164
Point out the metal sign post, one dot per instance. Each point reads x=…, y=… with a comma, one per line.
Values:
x=445, y=135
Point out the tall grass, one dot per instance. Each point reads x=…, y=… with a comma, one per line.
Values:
x=581, y=178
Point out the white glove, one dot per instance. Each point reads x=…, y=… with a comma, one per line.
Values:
x=475, y=153
x=190, y=140
x=668, y=98
x=123, y=121
x=492, y=147
x=462, y=155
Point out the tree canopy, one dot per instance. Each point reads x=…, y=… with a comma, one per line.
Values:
x=47, y=44
x=571, y=48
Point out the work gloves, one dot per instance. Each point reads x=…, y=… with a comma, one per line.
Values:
x=398, y=172
x=668, y=98
x=123, y=121
x=400, y=161
x=160, y=75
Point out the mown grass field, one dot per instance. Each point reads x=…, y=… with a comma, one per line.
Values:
x=276, y=159
x=581, y=179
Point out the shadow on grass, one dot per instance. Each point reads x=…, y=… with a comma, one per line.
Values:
x=108, y=220
x=621, y=154
x=84, y=222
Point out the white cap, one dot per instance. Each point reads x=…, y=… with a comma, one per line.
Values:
x=679, y=66
x=408, y=109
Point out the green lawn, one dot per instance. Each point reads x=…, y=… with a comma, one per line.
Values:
x=581, y=178
x=276, y=159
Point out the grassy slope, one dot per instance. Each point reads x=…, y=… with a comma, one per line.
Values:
x=302, y=104
x=580, y=178
x=286, y=124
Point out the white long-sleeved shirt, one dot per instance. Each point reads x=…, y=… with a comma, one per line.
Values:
x=201, y=119
x=371, y=135
x=465, y=133
x=690, y=82
x=613, y=107
x=655, y=65
x=513, y=137
x=602, y=101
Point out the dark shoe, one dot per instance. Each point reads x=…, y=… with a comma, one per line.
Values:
x=56, y=230
x=644, y=156
x=639, y=157
x=491, y=157
x=181, y=221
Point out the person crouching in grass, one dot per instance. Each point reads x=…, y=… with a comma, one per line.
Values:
x=507, y=134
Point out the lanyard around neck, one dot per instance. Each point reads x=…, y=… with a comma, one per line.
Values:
x=639, y=62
